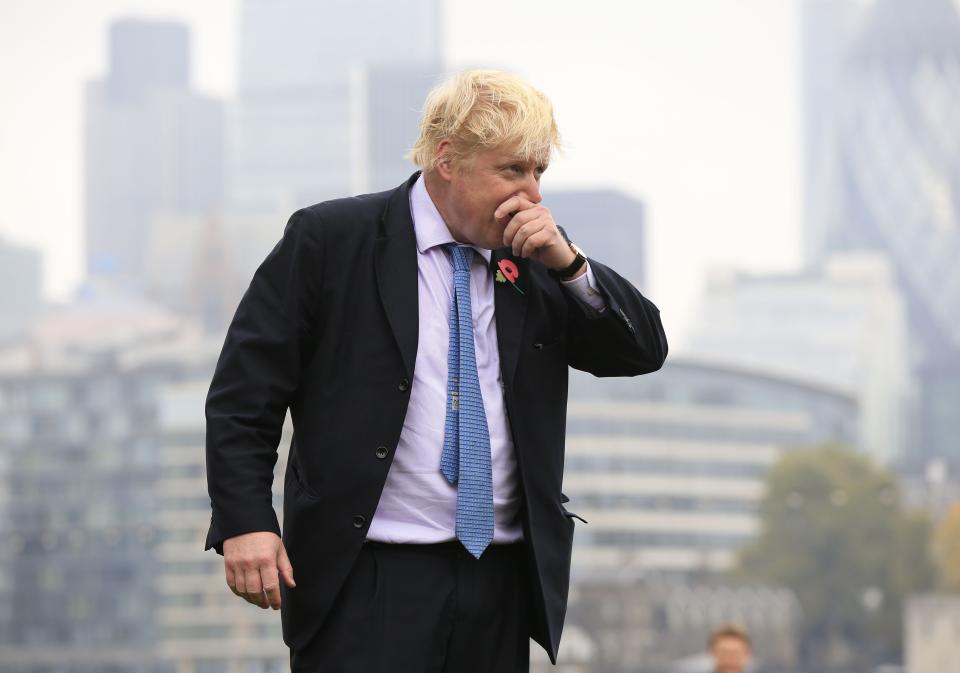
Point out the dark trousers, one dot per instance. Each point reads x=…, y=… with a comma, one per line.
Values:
x=426, y=609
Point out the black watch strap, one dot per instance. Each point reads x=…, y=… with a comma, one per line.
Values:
x=578, y=261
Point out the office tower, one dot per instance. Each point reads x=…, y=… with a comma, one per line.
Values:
x=884, y=114
x=392, y=97
x=608, y=225
x=328, y=98
x=152, y=146
x=882, y=117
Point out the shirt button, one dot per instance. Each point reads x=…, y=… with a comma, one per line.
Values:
x=359, y=520
x=404, y=385
x=382, y=452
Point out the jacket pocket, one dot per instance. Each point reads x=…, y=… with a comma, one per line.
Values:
x=566, y=512
x=295, y=481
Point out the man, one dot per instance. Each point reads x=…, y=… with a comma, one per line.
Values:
x=731, y=649
x=420, y=338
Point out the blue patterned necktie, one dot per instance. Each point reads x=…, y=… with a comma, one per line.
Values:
x=466, y=439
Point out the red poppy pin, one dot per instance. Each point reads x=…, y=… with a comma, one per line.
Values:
x=508, y=271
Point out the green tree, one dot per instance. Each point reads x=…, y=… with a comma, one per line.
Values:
x=833, y=530
x=946, y=549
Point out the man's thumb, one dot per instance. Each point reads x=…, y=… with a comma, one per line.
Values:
x=285, y=567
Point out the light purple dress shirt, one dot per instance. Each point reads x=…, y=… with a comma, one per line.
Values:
x=418, y=505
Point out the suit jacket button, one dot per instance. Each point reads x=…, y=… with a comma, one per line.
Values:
x=359, y=520
x=404, y=385
x=382, y=452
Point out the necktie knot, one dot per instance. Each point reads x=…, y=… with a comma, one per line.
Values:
x=462, y=257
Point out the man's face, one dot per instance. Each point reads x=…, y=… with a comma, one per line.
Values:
x=477, y=188
x=730, y=655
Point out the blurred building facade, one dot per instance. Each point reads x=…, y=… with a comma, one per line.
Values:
x=104, y=509
x=842, y=323
x=882, y=121
x=668, y=468
x=630, y=624
x=932, y=634
x=191, y=266
x=152, y=146
x=202, y=627
x=21, y=280
x=78, y=532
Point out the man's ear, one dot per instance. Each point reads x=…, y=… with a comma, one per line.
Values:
x=444, y=161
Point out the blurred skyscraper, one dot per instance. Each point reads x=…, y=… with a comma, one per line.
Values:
x=153, y=147
x=328, y=100
x=608, y=225
x=883, y=171
x=393, y=102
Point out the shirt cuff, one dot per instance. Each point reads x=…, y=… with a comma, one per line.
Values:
x=584, y=289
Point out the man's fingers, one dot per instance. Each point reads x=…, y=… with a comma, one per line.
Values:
x=230, y=576
x=253, y=587
x=511, y=205
x=271, y=586
x=251, y=565
x=524, y=220
x=285, y=567
x=232, y=582
x=524, y=233
x=534, y=242
x=239, y=583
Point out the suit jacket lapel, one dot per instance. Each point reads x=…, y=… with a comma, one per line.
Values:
x=511, y=311
x=395, y=261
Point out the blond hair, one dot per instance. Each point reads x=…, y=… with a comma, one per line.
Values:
x=478, y=110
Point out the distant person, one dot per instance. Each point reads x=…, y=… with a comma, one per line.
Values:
x=421, y=338
x=731, y=649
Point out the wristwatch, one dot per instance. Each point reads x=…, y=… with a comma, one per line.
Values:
x=578, y=261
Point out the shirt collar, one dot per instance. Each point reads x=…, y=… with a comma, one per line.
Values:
x=428, y=225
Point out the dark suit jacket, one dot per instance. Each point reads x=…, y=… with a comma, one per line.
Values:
x=328, y=328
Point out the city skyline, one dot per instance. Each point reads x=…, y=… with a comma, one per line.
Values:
x=739, y=163
x=676, y=132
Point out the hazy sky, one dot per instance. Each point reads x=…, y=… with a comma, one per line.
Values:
x=690, y=105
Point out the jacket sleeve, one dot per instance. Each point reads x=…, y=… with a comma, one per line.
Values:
x=256, y=376
x=626, y=339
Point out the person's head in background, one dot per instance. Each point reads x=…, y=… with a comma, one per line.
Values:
x=730, y=648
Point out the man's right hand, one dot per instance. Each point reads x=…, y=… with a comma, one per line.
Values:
x=254, y=564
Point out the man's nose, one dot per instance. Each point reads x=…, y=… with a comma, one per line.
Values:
x=531, y=190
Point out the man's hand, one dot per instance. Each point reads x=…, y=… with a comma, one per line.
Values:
x=254, y=563
x=531, y=232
